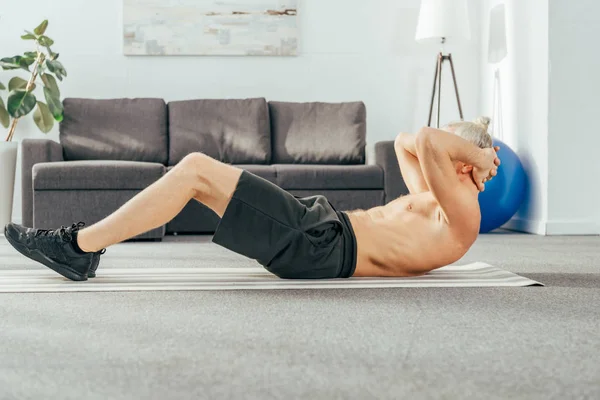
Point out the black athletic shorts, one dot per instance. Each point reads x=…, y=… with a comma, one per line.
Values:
x=292, y=237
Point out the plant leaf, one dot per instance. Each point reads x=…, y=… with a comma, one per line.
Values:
x=41, y=28
x=18, y=83
x=57, y=68
x=53, y=55
x=40, y=68
x=51, y=84
x=11, y=62
x=25, y=62
x=28, y=36
x=52, y=68
x=20, y=103
x=2, y=87
x=59, y=76
x=45, y=41
x=16, y=62
x=4, y=117
x=43, y=118
x=54, y=104
x=63, y=71
x=31, y=54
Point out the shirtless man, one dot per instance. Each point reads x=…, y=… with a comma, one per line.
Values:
x=303, y=238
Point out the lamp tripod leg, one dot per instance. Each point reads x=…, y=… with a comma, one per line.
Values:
x=439, y=89
x=455, y=87
x=435, y=79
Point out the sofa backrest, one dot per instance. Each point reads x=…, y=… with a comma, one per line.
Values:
x=318, y=133
x=234, y=131
x=114, y=129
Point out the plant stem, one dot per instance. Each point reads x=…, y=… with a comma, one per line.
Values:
x=11, y=131
x=32, y=79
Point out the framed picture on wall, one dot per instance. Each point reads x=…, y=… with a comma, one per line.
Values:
x=210, y=27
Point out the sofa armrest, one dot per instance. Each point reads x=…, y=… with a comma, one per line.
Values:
x=34, y=151
x=385, y=157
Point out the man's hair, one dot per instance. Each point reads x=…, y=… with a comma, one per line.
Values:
x=475, y=132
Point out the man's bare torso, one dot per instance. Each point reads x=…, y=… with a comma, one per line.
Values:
x=408, y=236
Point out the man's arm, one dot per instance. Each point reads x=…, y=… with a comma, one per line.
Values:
x=406, y=152
x=438, y=151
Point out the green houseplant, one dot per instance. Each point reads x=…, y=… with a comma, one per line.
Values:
x=18, y=99
x=42, y=65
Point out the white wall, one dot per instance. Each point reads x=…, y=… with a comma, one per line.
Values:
x=349, y=50
x=549, y=83
x=524, y=90
x=574, y=103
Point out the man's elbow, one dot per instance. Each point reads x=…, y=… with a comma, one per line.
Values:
x=400, y=140
x=424, y=137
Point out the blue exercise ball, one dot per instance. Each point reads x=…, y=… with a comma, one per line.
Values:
x=504, y=194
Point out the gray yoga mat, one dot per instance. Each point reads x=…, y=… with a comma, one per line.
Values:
x=161, y=279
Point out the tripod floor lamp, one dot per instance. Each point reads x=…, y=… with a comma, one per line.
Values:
x=440, y=20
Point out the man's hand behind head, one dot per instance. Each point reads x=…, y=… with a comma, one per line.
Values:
x=487, y=168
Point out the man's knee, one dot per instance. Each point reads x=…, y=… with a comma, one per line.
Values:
x=209, y=177
x=192, y=168
x=195, y=159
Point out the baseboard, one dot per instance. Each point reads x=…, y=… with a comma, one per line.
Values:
x=556, y=227
x=537, y=227
x=572, y=227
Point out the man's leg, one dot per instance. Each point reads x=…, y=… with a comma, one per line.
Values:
x=197, y=176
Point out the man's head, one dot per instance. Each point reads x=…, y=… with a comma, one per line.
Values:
x=475, y=132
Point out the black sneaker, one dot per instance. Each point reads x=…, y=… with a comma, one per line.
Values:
x=95, y=262
x=53, y=248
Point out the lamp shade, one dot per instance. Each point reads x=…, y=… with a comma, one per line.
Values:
x=443, y=19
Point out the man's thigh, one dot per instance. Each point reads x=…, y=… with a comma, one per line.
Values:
x=216, y=181
x=291, y=237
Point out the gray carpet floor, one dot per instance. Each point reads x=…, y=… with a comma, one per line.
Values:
x=412, y=343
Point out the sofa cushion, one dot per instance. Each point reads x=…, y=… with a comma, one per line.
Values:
x=116, y=129
x=264, y=171
x=318, y=133
x=74, y=175
x=294, y=176
x=232, y=131
x=267, y=172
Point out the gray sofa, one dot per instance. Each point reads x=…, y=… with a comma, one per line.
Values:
x=110, y=150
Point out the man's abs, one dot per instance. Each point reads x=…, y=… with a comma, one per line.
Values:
x=407, y=237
